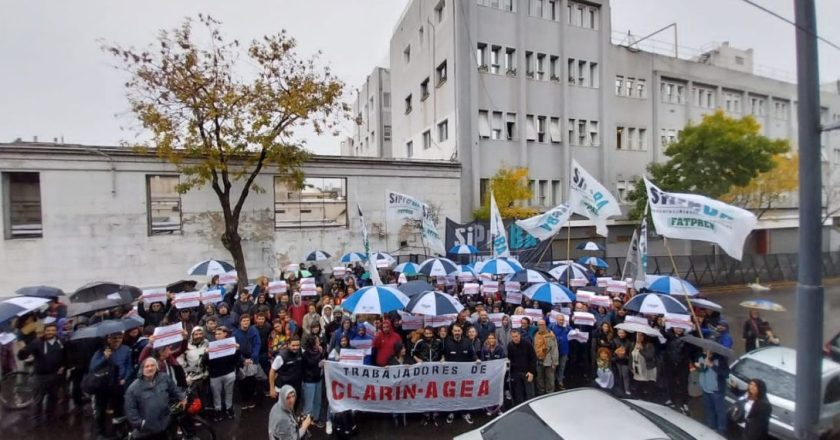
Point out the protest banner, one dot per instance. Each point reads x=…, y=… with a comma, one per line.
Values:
x=167, y=335
x=584, y=296
x=211, y=296
x=534, y=314
x=154, y=295
x=470, y=289
x=307, y=281
x=308, y=290
x=221, y=348
x=583, y=318
x=566, y=311
x=496, y=318
x=438, y=321
x=489, y=290
x=444, y=387
x=516, y=320
x=277, y=287
x=186, y=300
x=600, y=301
x=351, y=356
x=411, y=322
x=617, y=286
x=513, y=297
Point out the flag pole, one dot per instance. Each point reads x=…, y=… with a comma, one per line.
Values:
x=687, y=298
x=569, y=253
x=644, y=216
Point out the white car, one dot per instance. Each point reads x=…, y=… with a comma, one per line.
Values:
x=776, y=366
x=590, y=414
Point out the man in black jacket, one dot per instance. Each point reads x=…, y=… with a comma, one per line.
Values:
x=428, y=349
x=50, y=361
x=458, y=349
x=523, y=367
x=678, y=357
x=287, y=369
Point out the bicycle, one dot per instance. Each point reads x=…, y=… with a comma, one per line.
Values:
x=17, y=389
x=185, y=422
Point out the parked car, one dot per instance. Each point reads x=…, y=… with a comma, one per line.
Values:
x=832, y=348
x=589, y=414
x=776, y=366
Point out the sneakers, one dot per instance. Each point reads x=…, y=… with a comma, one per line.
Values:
x=489, y=412
x=218, y=416
x=329, y=427
x=669, y=403
x=435, y=421
x=450, y=418
x=467, y=419
x=685, y=409
x=229, y=414
x=425, y=421
x=248, y=405
x=508, y=396
x=118, y=420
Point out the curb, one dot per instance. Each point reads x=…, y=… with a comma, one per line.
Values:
x=717, y=290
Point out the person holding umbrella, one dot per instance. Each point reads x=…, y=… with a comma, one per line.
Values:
x=757, y=332
x=116, y=358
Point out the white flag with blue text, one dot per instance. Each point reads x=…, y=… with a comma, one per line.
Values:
x=545, y=225
x=497, y=231
x=695, y=217
x=372, y=269
x=590, y=199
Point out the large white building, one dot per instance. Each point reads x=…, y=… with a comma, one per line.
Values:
x=535, y=83
x=371, y=118
x=74, y=214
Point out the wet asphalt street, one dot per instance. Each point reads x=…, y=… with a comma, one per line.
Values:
x=252, y=425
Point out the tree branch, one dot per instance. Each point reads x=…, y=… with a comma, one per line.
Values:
x=245, y=189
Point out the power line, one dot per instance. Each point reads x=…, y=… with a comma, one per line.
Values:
x=790, y=22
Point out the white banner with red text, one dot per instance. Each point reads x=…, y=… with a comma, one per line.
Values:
x=429, y=386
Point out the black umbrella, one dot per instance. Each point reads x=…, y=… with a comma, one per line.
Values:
x=415, y=287
x=182, y=286
x=98, y=290
x=104, y=328
x=709, y=345
x=116, y=299
x=40, y=292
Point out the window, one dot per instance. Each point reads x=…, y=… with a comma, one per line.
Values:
x=22, y=202
x=494, y=59
x=619, y=138
x=532, y=187
x=593, y=75
x=780, y=110
x=408, y=104
x=642, y=139
x=582, y=73
x=732, y=101
x=758, y=106
x=536, y=8
x=510, y=126
x=640, y=88
x=668, y=136
x=443, y=131
x=407, y=54
x=594, y=138
x=542, y=197
x=779, y=382
x=571, y=68
x=510, y=61
x=571, y=128
x=540, y=66
x=483, y=185
x=832, y=391
x=424, y=89
x=496, y=133
x=164, y=204
x=420, y=35
x=631, y=138
x=409, y=149
x=427, y=139
x=739, y=61
x=704, y=96
x=619, y=85
x=554, y=10
x=585, y=16
x=441, y=73
x=508, y=5
x=541, y=128
x=672, y=92
x=530, y=129
x=321, y=202
x=386, y=99
x=439, y=10
x=556, y=193
x=581, y=130
x=386, y=133
x=628, y=86
x=554, y=68
x=529, y=64
x=554, y=130
x=584, y=133
x=481, y=55
x=484, y=124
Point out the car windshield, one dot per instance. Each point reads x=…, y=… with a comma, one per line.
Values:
x=779, y=382
x=521, y=423
x=672, y=431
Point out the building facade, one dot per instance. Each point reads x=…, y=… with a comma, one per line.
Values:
x=75, y=214
x=372, y=129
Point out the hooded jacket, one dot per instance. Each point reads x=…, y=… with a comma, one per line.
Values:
x=282, y=424
x=192, y=359
x=147, y=403
x=297, y=309
x=228, y=319
x=503, y=333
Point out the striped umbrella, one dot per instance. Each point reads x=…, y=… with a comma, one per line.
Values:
x=437, y=267
x=433, y=303
x=17, y=306
x=590, y=246
x=465, y=273
x=655, y=304
x=670, y=286
x=377, y=256
x=703, y=303
x=375, y=300
x=463, y=249
x=351, y=257
x=407, y=268
x=499, y=266
x=565, y=272
x=317, y=256
x=210, y=268
x=551, y=293
x=593, y=261
x=530, y=276
x=763, y=304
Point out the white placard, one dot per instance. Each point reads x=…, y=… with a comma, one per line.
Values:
x=600, y=301
x=466, y=276
x=186, y=300
x=351, y=356
x=489, y=290
x=339, y=271
x=496, y=318
x=277, y=287
x=578, y=282
x=636, y=319
x=211, y=296
x=617, y=286
x=438, y=321
x=411, y=322
x=306, y=281
x=229, y=277
x=516, y=321
x=383, y=264
x=292, y=267
x=577, y=335
x=566, y=311
x=362, y=344
x=678, y=320
x=154, y=295
x=490, y=283
x=470, y=289
x=583, y=318
x=513, y=297
x=604, y=281
x=584, y=296
x=534, y=314
x=221, y=348
x=170, y=334
x=513, y=286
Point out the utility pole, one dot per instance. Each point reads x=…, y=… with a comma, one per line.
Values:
x=809, y=289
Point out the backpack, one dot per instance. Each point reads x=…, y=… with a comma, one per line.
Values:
x=99, y=380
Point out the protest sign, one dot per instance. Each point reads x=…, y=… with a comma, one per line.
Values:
x=186, y=300
x=636, y=319
x=516, y=320
x=534, y=314
x=577, y=335
x=211, y=296
x=154, y=295
x=584, y=296
x=362, y=344
x=513, y=297
x=678, y=320
x=600, y=301
x=617, y=286
x=308, y=290
x=307, y=281
x=277, y=287
x=444, y=387
x=513, y=286
x=411, y=322
x=438, y=321
x=470, y=289
x=228, y=277
x=221, y=348
x=578, y=282
x=604, y=281
x=351, y=356
x=339, y=271
x=496, y=318
x=583, y=318
x=167, y=335
x=292, y=267
x=7, y=337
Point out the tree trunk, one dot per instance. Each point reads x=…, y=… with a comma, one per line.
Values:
x=233, y=243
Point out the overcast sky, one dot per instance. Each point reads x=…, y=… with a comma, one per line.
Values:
x=56, y=82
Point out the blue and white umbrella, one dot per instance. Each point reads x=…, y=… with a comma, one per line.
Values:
x=566, y=272
x=21, y=305
x=352, y=257
x=465, y=272
x=374, y=300
x=550, y=293
x=593, y=261
x=317, y=256
x=210, y=268
x=407, y=268
x=499, y=266
x=463, y=249
x=530, y=276
x=655, y=304
x=382, y=256
x=670, y=285
x=437, y=267
x=590, y=246
x=433, y=303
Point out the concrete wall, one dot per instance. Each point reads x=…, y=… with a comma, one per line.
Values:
x=91, y=233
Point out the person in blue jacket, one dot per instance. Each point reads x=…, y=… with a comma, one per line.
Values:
x=561, y=332
x=117, y=357
x=248, y=339
x=361, y=335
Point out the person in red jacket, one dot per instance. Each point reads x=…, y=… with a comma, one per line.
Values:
x=384, y=343
x=298, y=309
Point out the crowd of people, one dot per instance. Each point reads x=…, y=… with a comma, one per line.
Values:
x=283, y=340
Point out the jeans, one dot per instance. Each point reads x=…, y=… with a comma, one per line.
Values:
x=223, y=384
x=545, y=379
x=560, y=371
x=715, y=408
x=312, y=399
